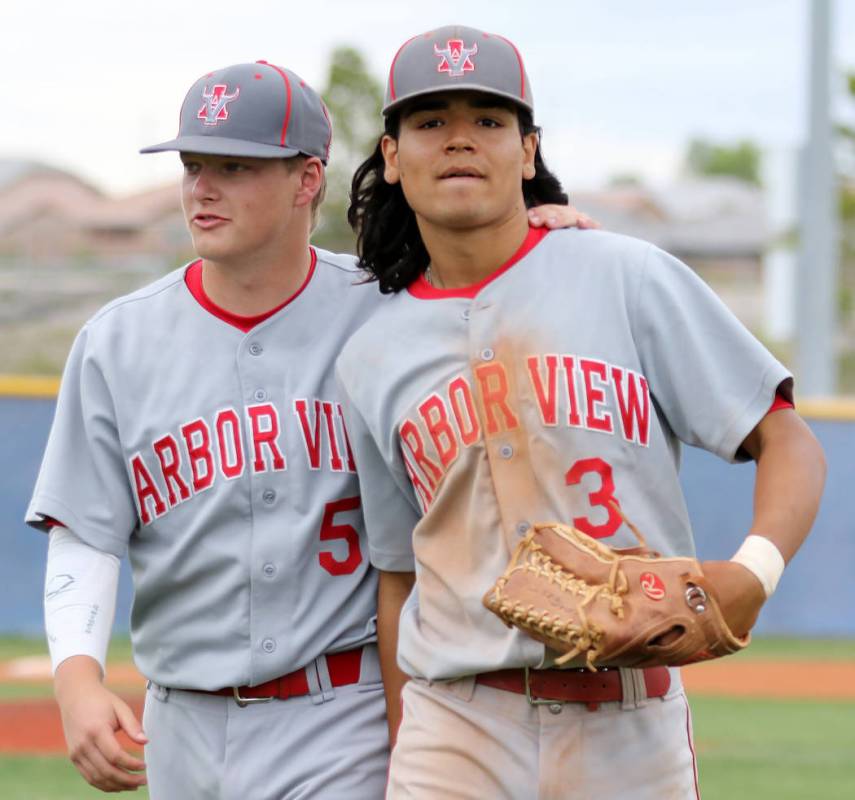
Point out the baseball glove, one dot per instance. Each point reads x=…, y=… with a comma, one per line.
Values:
x=600, y=606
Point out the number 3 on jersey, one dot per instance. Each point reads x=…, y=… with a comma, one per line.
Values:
x=604, y=496
x=330, y=531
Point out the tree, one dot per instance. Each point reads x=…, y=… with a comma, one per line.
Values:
x=741, y=160
x=354, y=99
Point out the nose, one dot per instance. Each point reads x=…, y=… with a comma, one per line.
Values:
x=204, y=185
x=458, y=139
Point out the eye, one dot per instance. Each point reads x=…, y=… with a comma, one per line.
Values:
x=191, y=167
x=427, y=124
x=489, y=122
x=235, y=166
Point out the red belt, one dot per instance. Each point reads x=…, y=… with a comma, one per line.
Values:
x=572, y=686
x=343, y=669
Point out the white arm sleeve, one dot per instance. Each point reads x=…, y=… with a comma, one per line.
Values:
x=81, y=584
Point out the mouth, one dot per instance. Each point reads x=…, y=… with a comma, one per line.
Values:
x=461, y=172
x=208, y=221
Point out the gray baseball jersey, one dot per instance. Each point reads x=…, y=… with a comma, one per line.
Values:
x=563, y=383
x=219, y=461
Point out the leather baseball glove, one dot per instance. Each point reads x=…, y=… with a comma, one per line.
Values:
x=601, y=606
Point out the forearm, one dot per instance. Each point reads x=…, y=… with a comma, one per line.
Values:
x=789, y=481
x=74, y=674
x=81, y=584
x=393, y=590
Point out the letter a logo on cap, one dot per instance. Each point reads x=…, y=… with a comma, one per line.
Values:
x=455, y=59
x=216, y=101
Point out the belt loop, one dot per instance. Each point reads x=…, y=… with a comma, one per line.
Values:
x=463, y=688
x=320, y=683
x=634, y=688
x=160, y=692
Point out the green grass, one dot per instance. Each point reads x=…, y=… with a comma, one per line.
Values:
x=747, y=749
x=774, y=750
x=782, y=648
x=46, y=778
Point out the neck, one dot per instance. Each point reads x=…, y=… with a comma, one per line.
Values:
x=460, y=258
x=258, y=281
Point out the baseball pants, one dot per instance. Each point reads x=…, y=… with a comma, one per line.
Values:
x=465, y=741
x=329, y=745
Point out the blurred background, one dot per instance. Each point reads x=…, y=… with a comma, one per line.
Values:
x=724, y=133
x=683, y=124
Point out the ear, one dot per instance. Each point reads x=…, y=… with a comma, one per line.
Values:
x=389, y=148
x=529, y=143
x=311, y=181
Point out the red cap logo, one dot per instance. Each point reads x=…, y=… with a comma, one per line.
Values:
x=455, y=59
x=216, y=104
x=652, y=586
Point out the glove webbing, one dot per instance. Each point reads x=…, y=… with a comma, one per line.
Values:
x=584, y=637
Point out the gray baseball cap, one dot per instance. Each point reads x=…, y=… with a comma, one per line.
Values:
x=258, y=110
x=457, y=58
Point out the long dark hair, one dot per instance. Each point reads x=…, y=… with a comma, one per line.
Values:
x=388, y=242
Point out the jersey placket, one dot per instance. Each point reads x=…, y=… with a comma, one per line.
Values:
x=493, y=360
x=260, y=385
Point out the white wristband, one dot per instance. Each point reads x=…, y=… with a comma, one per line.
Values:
x=762, y=557
x=81, y=583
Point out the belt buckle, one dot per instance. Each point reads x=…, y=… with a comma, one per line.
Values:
x=537, y=701
x=243, y=702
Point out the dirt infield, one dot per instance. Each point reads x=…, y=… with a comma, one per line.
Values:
x=34, y=727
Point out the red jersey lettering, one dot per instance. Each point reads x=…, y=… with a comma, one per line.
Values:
x=633, y=404
x=264, y=424
x=439, y=429
x=146, y=490
x=229, y=444
x=493, y=381
x=166, y=450
x=197, y=440
x=596, y=419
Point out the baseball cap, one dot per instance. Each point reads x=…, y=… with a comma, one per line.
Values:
x=258, y=110
x=457, y=58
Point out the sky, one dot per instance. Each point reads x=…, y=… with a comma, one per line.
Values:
x=620, y=86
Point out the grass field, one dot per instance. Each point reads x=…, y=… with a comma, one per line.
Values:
x=747, y=749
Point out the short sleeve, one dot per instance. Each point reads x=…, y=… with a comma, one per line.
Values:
x=390, y=513
x=711, y=378
x=83, y=482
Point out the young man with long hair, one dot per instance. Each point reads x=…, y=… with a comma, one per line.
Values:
x=520, y=376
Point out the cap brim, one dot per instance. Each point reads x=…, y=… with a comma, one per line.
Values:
x=457, y=87
x=216, y=146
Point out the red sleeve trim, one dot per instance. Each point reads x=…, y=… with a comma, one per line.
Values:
x=193, y=279
x=53, y=523
x=421, y=289
x=778, y=403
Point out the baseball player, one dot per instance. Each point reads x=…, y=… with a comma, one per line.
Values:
x=518, y=377
x=198, y=429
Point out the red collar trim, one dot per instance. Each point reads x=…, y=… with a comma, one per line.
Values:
x=193, y=279
x=421, y=289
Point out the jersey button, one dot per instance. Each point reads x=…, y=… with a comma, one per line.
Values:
x=487, y=354
x=268, y=495
x=465, y=314
x=554, y=708
x=268, y=645
x=260, y=395
x=269, y=570
x=256, y=349
x=506, y=451
x=522, y=528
